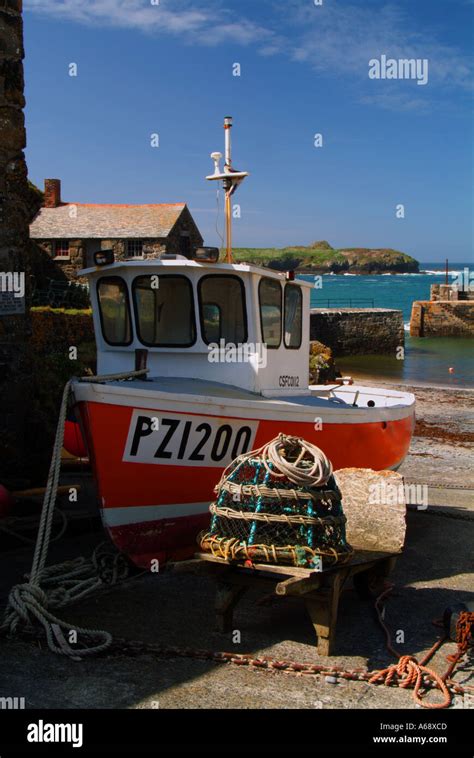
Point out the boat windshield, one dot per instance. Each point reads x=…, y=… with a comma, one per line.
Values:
x=269, y=293
x=114, y=310
x=164, y=310
x=293, y=316
x=222, y=309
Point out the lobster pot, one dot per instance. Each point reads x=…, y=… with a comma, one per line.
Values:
x=262, y=516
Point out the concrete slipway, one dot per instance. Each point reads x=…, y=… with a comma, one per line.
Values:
x=434, y=572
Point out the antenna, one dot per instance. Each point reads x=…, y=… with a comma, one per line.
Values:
x=230, y=180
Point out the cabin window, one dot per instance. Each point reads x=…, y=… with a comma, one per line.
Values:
x=164, y=310
x=114, y=309
x=269, y=293
x=222, y=309
x=293, y=316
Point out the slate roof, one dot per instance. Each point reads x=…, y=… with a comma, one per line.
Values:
x=105, y=221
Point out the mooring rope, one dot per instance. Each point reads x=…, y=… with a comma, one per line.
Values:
x=408, y=671
x=300, y=473
x=68, y=581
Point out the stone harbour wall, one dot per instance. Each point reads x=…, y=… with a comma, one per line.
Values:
x=448, y=318
x=358, y=331
x=450, y=292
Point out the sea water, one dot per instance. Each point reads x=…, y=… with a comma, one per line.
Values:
x=427, y=360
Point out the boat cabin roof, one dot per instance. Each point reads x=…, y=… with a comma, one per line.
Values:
x=178, y=262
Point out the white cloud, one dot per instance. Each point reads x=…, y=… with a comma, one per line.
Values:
x=337, y=38
x=396, y=101
x=206, y=24
x=343, y=37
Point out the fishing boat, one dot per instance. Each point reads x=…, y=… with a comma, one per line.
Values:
x=226, y=349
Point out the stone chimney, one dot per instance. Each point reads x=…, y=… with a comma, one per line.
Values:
x=52, y=193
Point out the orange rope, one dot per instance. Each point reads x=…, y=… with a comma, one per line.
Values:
x=408, y=672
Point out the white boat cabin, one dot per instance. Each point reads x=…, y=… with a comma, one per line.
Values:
x=236, y=324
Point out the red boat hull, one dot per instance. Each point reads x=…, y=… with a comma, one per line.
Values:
x=154, y=512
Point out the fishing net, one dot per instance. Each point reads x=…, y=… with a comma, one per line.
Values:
x=279, y=504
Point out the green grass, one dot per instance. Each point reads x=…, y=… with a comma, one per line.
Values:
x=66, y=311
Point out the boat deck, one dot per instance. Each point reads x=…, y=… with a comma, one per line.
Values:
x=317, y=396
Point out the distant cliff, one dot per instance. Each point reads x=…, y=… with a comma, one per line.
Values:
x=321, y=258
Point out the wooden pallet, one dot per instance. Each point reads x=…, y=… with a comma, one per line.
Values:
x=320, y=591
x=376, y=531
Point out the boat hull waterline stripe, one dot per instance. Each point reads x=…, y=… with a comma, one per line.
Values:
x=141, y=514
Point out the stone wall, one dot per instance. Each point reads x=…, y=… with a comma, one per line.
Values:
x=54, y=329
x=450, y=292
x=184, y=224
x=358, y=331
x=442, y=318
x=54, y=332
x=14, y=219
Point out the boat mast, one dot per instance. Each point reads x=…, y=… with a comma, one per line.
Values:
x=228, y=187
x=230, y=179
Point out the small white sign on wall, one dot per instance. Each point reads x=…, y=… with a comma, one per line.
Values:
x=10, y=304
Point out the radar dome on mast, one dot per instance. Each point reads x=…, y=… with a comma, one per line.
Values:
x=230, y=177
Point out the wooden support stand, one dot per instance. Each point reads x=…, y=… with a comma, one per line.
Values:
x=319, y=590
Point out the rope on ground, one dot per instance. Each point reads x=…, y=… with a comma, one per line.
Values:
x=6, y=526
x=57, y=586
x=408, y=672
x=405, y=674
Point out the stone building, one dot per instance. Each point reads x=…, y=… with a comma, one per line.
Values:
x=70, y=233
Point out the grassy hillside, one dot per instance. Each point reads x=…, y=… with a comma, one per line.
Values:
x=321, y=258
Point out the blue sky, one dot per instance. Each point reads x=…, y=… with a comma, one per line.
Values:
x=167, y=68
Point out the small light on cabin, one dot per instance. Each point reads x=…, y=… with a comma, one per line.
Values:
x=206, y=254
x=104, y=258
x=290, y=275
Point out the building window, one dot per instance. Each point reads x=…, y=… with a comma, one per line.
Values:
x=222, y=309
x=293, y=316
x=114, y=310
x=164, y=310
x=269, y=293
x=134, y=248
x=61, y=250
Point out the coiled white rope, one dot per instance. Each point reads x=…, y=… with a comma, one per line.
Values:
x=315, y=475
x=311, y=467
x=68, y=581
